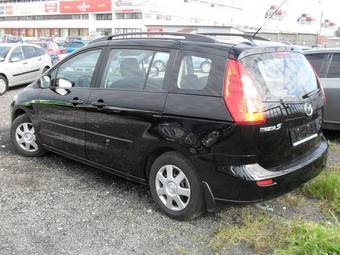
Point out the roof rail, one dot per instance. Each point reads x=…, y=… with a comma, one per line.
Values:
x=138, y=35
x=246, y=36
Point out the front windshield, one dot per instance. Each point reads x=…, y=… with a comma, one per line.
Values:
x=3, y=52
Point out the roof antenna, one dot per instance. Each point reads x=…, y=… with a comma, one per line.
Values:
x=277, y=9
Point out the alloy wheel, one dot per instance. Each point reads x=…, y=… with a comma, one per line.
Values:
x=25, y=137
x=173, y=187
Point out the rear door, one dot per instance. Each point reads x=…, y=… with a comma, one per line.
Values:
x=124, y=107
x=292, y=102
x=331, y=84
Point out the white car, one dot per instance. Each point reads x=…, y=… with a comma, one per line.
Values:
x=21, y=64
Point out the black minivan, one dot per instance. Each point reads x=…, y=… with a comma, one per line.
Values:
x=245, y=128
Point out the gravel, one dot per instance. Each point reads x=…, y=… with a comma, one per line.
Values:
x=53, y=205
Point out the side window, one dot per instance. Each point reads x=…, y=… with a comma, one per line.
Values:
x=129, y=69
x=194, y=73
x=29, y=52
x=17, y=53
x=155, y=80
x=40, y=51
x=78, y=71
x=317, y=60
x=334, y=68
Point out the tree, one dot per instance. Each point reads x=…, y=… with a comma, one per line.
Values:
x=337, y=32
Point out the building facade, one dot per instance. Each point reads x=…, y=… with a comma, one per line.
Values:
x=90, y=18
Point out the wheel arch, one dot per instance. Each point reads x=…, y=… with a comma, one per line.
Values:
x=4, y=75
x=154, y=153
x=18, y=112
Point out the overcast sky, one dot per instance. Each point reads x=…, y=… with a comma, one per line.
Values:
x=257, y=8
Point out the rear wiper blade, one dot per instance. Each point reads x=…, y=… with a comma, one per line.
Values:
x=311, y=93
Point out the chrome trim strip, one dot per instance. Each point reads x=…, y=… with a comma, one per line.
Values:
x=305, y=140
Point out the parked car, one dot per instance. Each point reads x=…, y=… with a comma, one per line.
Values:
x=51, y=48
x=73, y=45
x=326, y=63
x=247, y=130
x=11, y=39
x=21, y=64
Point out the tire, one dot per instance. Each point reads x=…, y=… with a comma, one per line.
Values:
x=160, y=65
x=30, y=146
x=3, y=84
x=162, y=193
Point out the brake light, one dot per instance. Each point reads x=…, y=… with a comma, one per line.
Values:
x=241, y=96
x=265, y=183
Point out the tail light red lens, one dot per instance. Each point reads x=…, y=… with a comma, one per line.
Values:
x=241, y=96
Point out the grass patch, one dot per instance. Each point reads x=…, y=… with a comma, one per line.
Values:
x=327, y=188
x=269, y=235
x=312, y=238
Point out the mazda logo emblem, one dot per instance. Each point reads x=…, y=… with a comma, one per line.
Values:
x=308, y=109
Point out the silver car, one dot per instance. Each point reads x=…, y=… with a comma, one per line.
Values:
x=326, y=63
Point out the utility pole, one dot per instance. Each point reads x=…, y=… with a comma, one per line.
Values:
x=319, y=29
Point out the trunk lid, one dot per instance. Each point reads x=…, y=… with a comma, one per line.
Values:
x=292, y=101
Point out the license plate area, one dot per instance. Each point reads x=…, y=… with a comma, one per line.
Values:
x=304, y=133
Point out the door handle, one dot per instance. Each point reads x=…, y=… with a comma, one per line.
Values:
x=75, y=101
x=24, y=63
x=39, y=59
x=99, y=104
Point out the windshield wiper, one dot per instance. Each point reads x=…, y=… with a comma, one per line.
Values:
x=311, y=93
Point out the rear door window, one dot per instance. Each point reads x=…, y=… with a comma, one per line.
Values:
x=130, y=69
x=334, y=68
x=29, y=52
x=319, y=62
x=282, y=75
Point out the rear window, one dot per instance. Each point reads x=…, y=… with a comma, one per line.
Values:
x=334, y=68
x=318, y=61
x=281, y=75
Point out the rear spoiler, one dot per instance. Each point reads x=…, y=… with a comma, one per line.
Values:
x=239, y=54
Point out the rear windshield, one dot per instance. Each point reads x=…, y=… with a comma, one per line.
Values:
x=281, y=75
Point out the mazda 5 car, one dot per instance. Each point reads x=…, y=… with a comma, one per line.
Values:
x=246, y=129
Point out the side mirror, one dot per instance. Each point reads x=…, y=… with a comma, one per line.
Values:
x=15, y=59
x=65, y=84
x=45, y=81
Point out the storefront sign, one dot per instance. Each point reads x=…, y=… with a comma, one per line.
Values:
x=85, y=6
x=33, y=8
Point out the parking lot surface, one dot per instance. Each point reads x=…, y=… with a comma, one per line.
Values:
x=53, y=205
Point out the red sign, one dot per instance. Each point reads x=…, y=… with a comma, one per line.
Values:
x=85, y=6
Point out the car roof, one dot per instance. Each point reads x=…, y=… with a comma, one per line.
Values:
x=322, y=50
x=220, y=43
x=18, y=44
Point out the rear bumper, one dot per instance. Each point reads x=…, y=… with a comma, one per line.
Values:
x=239, y=185
x=331, y=125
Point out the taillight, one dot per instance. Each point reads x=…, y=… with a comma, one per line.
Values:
x=241, y=96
